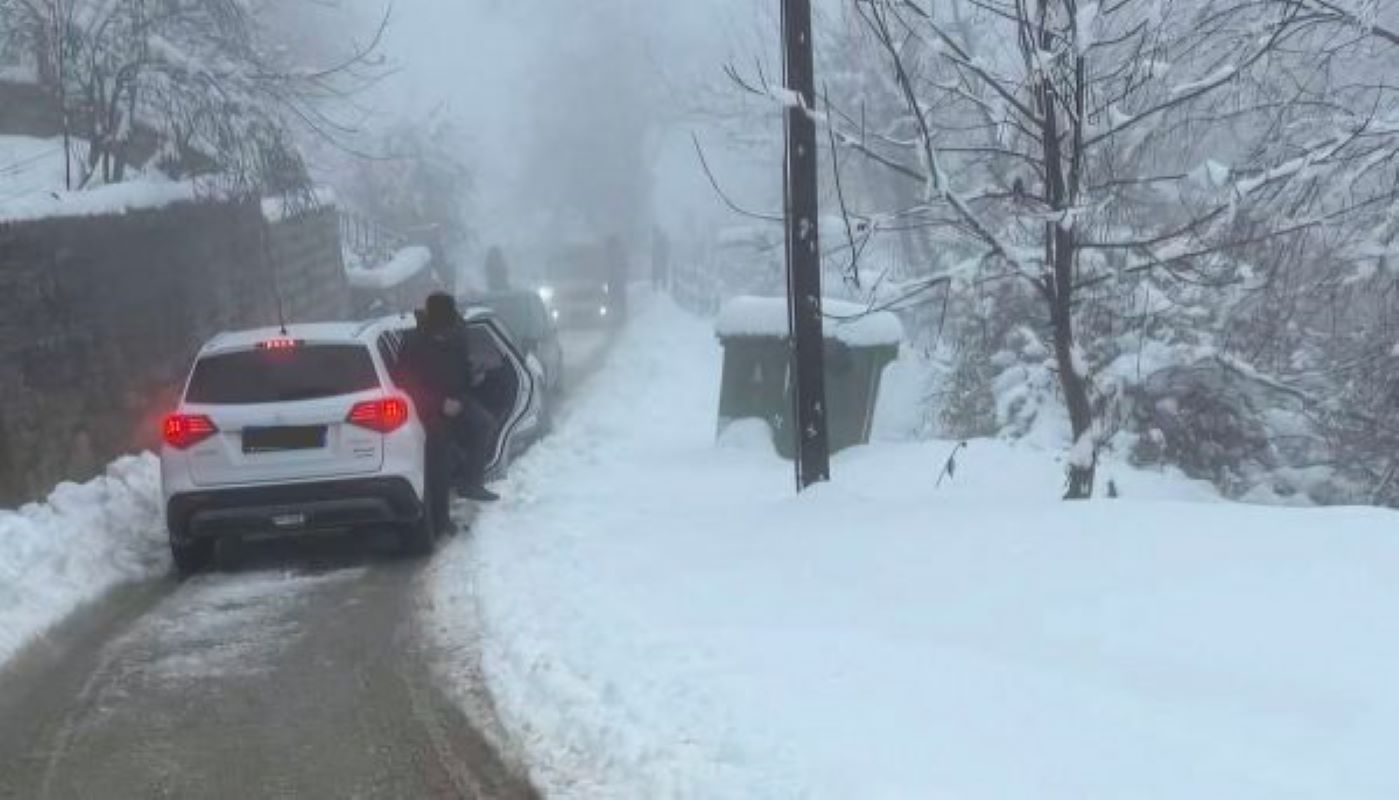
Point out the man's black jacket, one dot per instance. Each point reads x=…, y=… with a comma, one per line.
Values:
x=436, y=367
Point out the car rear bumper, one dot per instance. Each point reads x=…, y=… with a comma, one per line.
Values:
x=292, y=509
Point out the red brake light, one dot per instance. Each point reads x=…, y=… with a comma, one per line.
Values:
x=280, y=343
x=385, y=415
x=183, y=431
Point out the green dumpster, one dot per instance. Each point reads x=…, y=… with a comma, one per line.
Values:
x=859, y=345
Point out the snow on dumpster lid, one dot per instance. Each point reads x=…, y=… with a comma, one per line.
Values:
x=849, y=323
x=404, y=265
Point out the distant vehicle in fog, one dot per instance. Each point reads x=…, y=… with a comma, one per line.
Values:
x=584, y=286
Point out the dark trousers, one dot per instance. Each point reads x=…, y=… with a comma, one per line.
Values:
x=439, y=474
x=473, y=434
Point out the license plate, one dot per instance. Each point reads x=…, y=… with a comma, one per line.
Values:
x=276, y=440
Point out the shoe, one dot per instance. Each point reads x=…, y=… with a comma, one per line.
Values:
x=479, y=493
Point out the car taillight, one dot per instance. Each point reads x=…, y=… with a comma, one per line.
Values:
x=385, y=415
x=183, y=431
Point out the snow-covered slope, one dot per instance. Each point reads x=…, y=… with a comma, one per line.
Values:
x=80, y=542
x=658, y=617
x=32, y=177
x=29, y=165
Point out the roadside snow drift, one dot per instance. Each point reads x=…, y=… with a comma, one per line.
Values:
x=658, y=616
x=79, y=543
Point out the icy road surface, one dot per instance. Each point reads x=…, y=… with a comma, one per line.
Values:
x=267, y=684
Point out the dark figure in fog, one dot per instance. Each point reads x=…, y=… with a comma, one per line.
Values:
x=497, y=271
x=618, y=275
x=439, y=376
x=660, y=260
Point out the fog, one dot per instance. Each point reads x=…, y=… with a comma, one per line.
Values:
x=577, y=118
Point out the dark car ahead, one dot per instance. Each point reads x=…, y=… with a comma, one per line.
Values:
x=580, y=302
x=584, y=286
x=532, y=325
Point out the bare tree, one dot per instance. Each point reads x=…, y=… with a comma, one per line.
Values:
x=1091, y=150
x=191, y=80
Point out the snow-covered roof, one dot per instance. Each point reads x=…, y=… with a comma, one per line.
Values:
x=404, y=265
x=118, y=198
x=852, y=324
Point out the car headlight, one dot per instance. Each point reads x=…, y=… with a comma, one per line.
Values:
x=546, y=293
x=602, y=311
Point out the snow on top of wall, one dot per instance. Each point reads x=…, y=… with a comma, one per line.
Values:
x=404, y=265
x=276, y=209
x=36, y=166
x=19, y=73
x=111, y=200
x=850, y=323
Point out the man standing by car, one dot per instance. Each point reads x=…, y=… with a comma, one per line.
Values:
x=437, y=362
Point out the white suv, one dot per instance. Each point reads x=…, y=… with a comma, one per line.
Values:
x=304, y=430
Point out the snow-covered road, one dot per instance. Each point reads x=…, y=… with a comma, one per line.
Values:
x=659, y=617
x=307, y=682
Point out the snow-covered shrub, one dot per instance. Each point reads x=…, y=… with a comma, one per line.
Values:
x=969, y=405
x=1196, y=418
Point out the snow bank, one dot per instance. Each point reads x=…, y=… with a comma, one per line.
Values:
x=658, y=616
x=119, y=198
x=82, y=541
x=847, y=322
x=403, y=266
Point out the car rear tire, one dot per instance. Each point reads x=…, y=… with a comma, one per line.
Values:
x=420, y=537
x=193, y=557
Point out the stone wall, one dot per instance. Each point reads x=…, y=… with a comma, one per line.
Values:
x=101, y=316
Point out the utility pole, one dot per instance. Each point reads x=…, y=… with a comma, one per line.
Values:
x=58, y=50
x=808, y=366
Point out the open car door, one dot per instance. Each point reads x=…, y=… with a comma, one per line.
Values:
x=508, y=386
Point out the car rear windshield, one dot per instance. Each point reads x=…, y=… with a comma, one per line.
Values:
x=305, y=372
